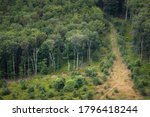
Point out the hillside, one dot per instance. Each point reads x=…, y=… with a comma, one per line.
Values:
x=56, y=49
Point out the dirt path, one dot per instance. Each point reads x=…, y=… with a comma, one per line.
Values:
x=119, y=85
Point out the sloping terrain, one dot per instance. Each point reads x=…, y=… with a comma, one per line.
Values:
x=119, y=85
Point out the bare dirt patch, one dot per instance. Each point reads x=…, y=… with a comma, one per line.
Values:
x=120, y=84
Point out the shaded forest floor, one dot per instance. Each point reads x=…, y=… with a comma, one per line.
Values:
x=120, y=84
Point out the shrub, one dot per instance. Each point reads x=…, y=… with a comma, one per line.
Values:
x=31, y=95
x=89, y=95
x=75, y=73
x=59, y=84
x=5, y=91
x=50, y=94
x=3, y=83
x=138, y=63
x=23, y=84
x=90, y=72
x=116, y=90
x=79, y=82
x=42, y=89
x=96, y=81
x=76, y=93
x=70, y=86
x=30, y=89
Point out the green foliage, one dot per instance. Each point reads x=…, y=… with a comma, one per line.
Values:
x=59, y=84
x=139, y=68
x=96, y=81
x=30, y=89
x=80, y=81
x=38, y=36
x=70, y=86
x=23, y=84
x=3, y=83
x=107, y=63
x=43, y=67
x=50, y=94
x=42, y=89
x=5, y=91
x=90, y=72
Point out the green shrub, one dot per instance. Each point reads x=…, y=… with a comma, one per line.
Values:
x=138, y=63
x=75, y=73
x=59, y=84
x=23, y=84
x=89, y=95
x=96, y=81
x=80, y=81
x=50, y=94
x=5, y=91
x=90, y=72
x=42, y=89
x=31, y=95
x=3, y=83
x=116, y=90
x=76, y=94
x=30, y=89
x=70, y=86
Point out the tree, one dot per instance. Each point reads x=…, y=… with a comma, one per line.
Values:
x=76, y=38
x=36, y=39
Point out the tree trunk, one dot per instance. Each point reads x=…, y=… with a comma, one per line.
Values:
x=77, y=61
x=54, y=63
x=89, y=52
x=32, y=61
x=74, y=66
x=68, y=64
x=126, y=15
x=36, y=60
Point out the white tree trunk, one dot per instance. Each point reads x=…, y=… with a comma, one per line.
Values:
x=77, y=61
x=35, y=58
x=68, y=64
x=89, y=51
x=74, y=66
x=126, y=17
x=54, y=63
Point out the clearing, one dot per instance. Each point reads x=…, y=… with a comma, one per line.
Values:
x=120, y=84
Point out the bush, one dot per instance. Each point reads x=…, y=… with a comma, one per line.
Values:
x=90, y=72
x=79, y=82
x=89, y=95
x=70, y=86
x=138, y=63
x=75, y=73
x=59, y=84
x=31, y=95
x=23, y=84
x=76, y=94
x=96, y=81
x=42, y=89
x=3, y=83
x=50, y=94
x=5, y=91
x=31, y=89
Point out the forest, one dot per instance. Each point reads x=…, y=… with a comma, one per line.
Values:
x=68, y=49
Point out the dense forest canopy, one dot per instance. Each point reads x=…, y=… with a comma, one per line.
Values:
x=39, y=36
x=30, y=27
